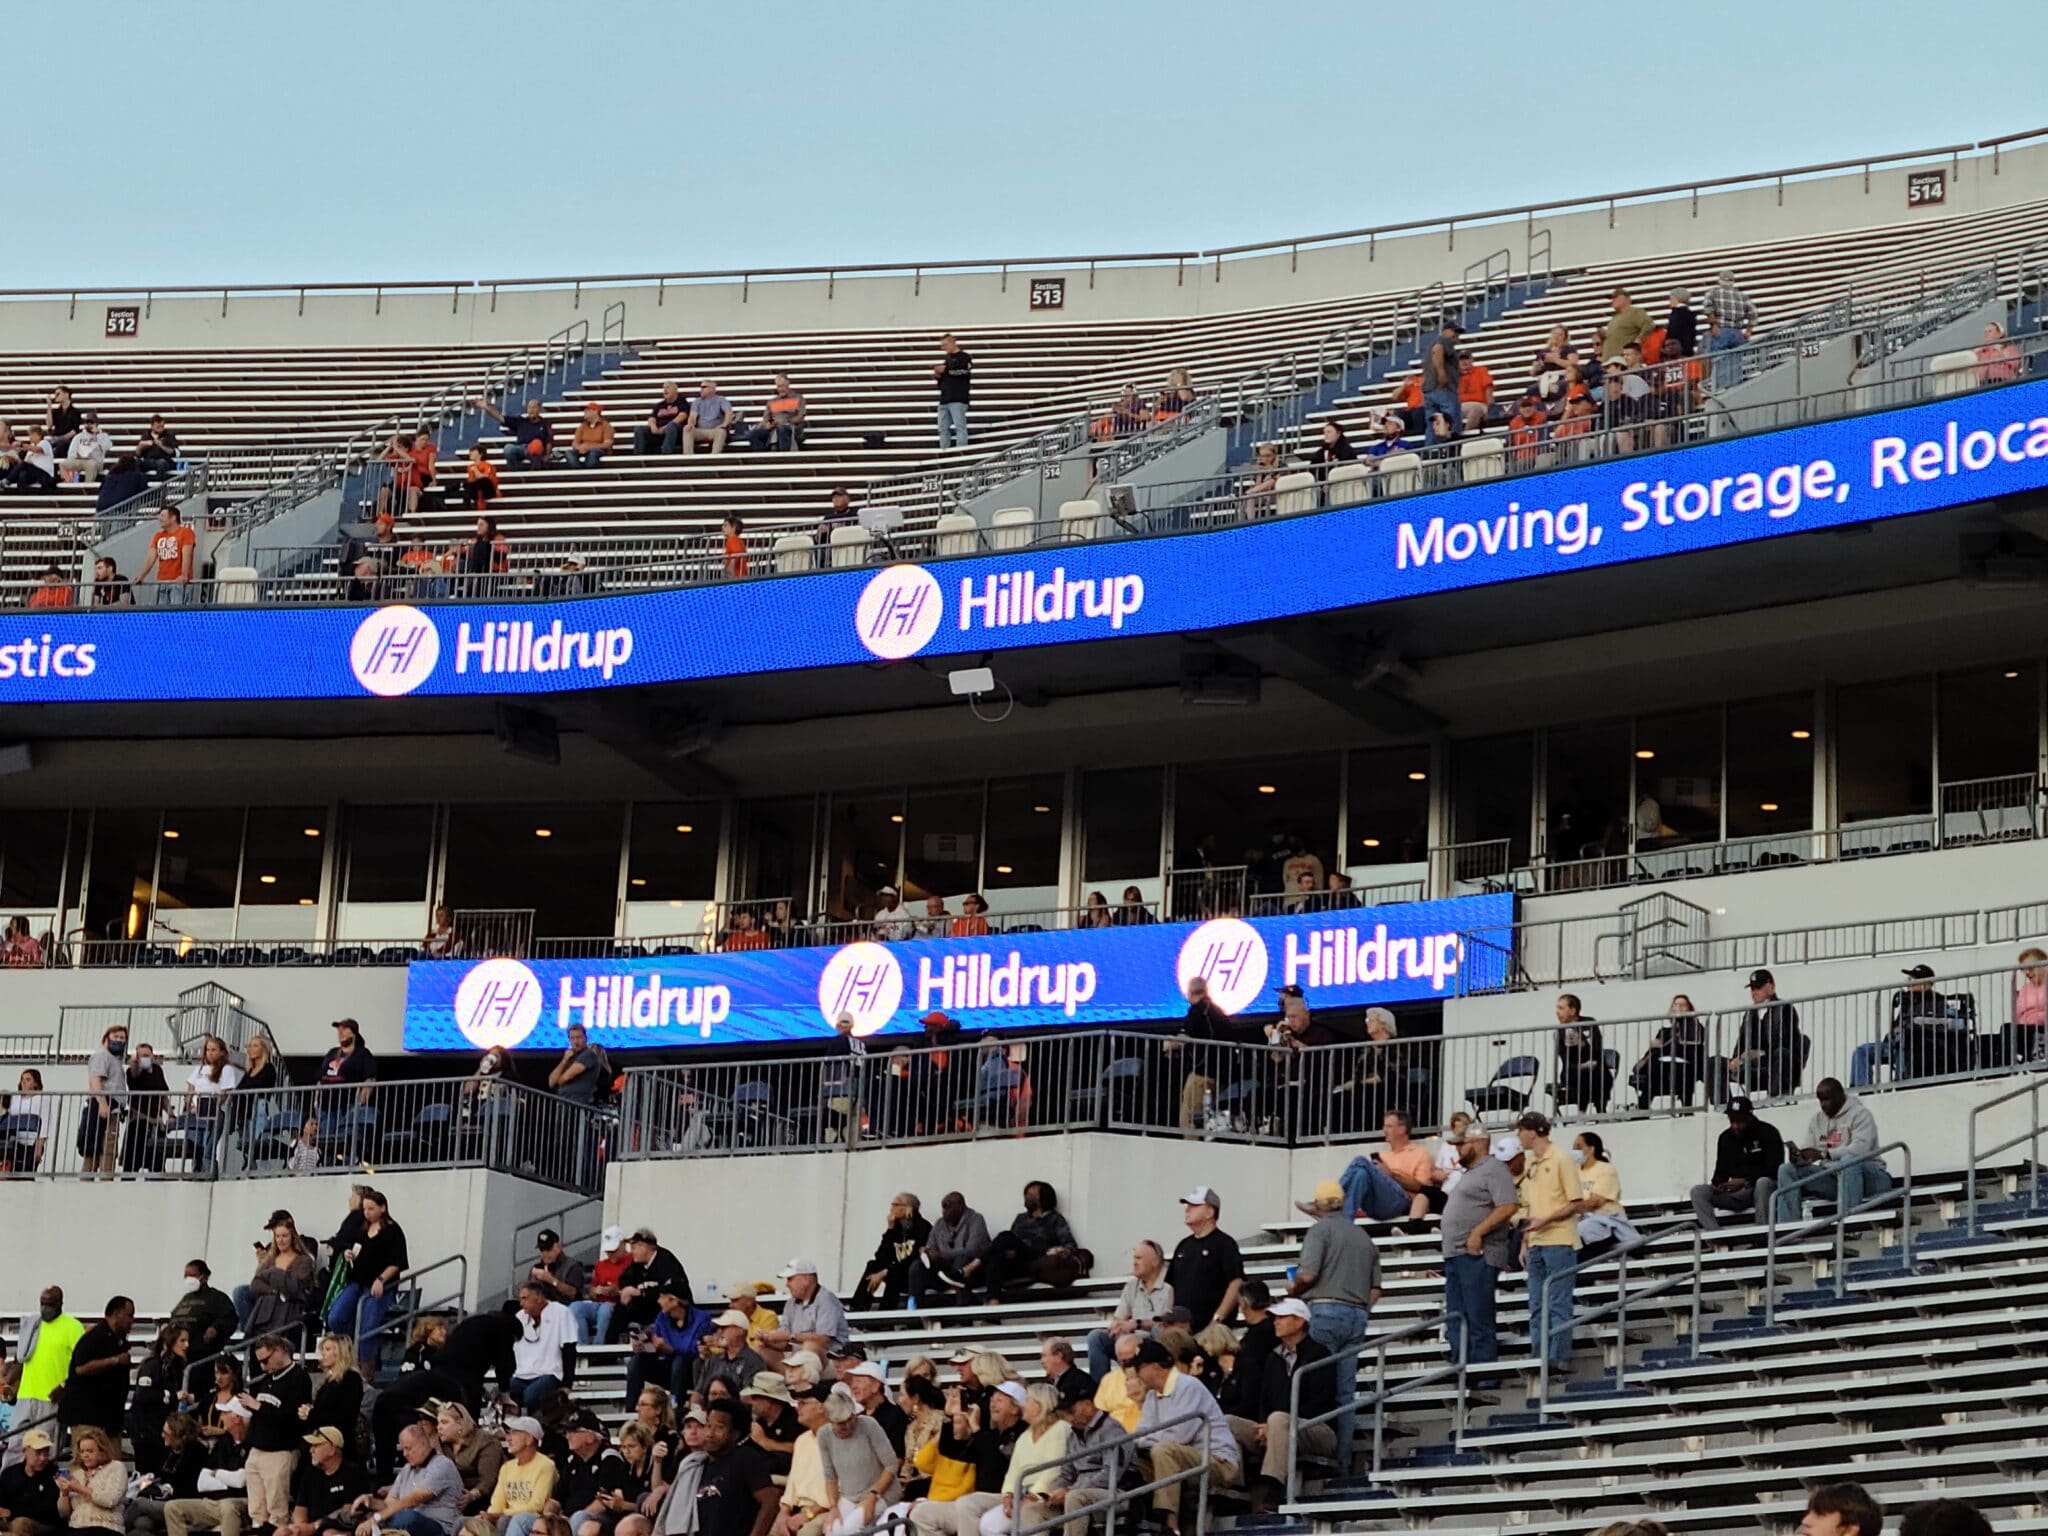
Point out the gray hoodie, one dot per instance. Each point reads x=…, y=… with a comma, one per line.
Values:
x=1844, y=1137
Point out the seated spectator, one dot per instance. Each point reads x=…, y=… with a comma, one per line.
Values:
x=1265, y=1428
x=1176, y=399
x=476, y=1452
x=1676, y=1061
x=782, y=425
x=222, y=1499
x=1167, y=1448
x=1746, y=1159
x=329, y=1489
x=53, y=591
x=1836, y=1509
x=1998, y=360
x=858, y=1463
x=1927, y=1041
x=484, y=557
x=1397, y=1180
x=110, y=589
x=1095, y=912
x=665, y=1352
x=623, y=1485
x=1131, y=911
x=1547, y=373
x=742, y=934
x=1841, y=1159
x=891, y=921
x=1126, y=416
x=981, y=1432
x=664, y=425
x=959, y=1236
x=814, y=1315
x=85, y=457
x=1603, y=1223
x=886, y=1280
x=1333, y=447
x=61, y=418
x=181, y=1457
x=1033, y=1469
x=1263, y=481
x=1574, y=423
x=588, y=1474
x=726, y=1355
x=123, y=483
x=2030, y=1007
x=1527, y=428
x=1769, y=1049
x=1943, y=1517
x=709, y=420
x=94, y=1495
x=479, y=480
x=157, y=449
x=35, y=469
x=1584, y=1077
x=593, y=437
x=839, y=515
x=400, y=494
x=1389, y=442
x=533, y=436
x=1407, y=402
x=1475, y=394
x=593, y=1313
x=365, y=582
x=972, y=923
x=937, y=922
x=525, y=1487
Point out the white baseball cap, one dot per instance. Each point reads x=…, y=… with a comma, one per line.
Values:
x=1507, y=1148
x=1012, y=1391
x=611, y=1239
x=797, y=1267
x=870, y=1369
x=1202, y=1194
x=524, y=1425
x=1289, y=1306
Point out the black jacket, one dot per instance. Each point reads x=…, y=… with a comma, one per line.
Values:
x=1267, y=1391
x=477, y=1345
x=663, y=1268
x=31, y=1498
x=1751, y=1152
x=275, y=1425
x=987, y=1450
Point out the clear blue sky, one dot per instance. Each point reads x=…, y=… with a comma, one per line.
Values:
x=267, y=141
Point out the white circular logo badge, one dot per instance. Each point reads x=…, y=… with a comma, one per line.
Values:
x=498, y=1003
x=1230, y=956
x=863, y=980
x=898, y=612
x=394, y=650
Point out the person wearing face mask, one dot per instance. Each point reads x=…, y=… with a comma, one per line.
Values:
x=1605, y=1223
x=148, y=1100
x=106, y=1082
x=46, y=1341
x=208, y=1311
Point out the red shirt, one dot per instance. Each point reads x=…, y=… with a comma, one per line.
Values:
x=52, y=597
x=735, y=560
x=753, y=938
x=969, y=926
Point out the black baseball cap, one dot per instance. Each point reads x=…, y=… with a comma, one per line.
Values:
x=1922, y=972
x=1741, y=1109
x=1760, y=979
x=1290, y=990
x=584, y=1419
x=847, y=1352
x=548, y=1238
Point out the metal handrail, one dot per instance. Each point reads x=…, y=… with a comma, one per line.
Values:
x=1377, y=1345
x=2031, y=1091
x=1694, y=1278
x=1838, y=1221
x=408, y=1284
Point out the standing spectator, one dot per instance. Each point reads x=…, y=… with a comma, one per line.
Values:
x=782, y=425
x=1769, y=1050
x=886, y=1280
x=148, y=1095
x=1840, y=1158
x=156, y=451
x=1628, y=325
x=85, y=457
x=1583, y=1076
x=1207, y=1270
x=45, y=1346
x=173, y=558
x=204, y=1308
x=709, y=421
x=278, y=1399
x=593, y=437
x=1443, y=419
x=1682, y=325
x=1144, y=1300
x=732, y=529
x=106, y=1084
x=96, y=1391
x=1478, y=1214
x=1550, y=1238
x=1339, y=1281
x=349, y=1062
x=337, y=1391
x=1731, y=320
x=34, y=1112
x=1172, y=1394
x=93, y=1498
x=375, y=1262
x=581, y=1071
x=280, y=1293
x=545, y=1326
x=959, y=1236
x=955, y=375
x=1746, y=1158
x=664, y=424
x=533, y=435
x=110, y=589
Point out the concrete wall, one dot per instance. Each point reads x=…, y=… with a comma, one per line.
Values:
x=1599, y=233
x=143, y=1233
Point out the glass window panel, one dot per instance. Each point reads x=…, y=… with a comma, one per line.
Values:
x=1587, y=782
x=1256, y=813
x=1678, y=785
x=864, y=851
x=1770, y=766
x=1121, y=811
x=286, y=844
x=499, y=858
x=202, y=850
x=1389, y=811
x=1021, y=866
x=1990, y=725
x=672, y=854
x=1884, y=742
x=775, y=850
x=32, y=861
x=1491, y=790
x=121, y=890
x=941, y=843
x=390, y=853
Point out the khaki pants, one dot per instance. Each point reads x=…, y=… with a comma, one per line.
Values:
x=104, y=1160
x=228, y=1516
x=87, y=470
x=1079, y=1502
x=270, y=1486
x=1316, y=1440
x=1166, y=1460
x=954, y=1517
x=1191, y=1092
x=715, y=436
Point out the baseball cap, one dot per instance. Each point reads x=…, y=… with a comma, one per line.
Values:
x=805, y=1360
x=1289, y=1306
x=1329, y=1194
x=585, y=1419
x=1152, y=1352
x=960, y=1356
x=1919, y=972
x=610, y=1240
x=1740, y=1109
x=797, y=1267
x=1202, y=1194
x=870, y=1369
x=936, y=1016
x=547, y=1238
x=326, y=1434
x=36, y=1440
x=524, y=1425
x=847, y=1352
x=679, y=1289
x=730, y=1319
x=1012, y=1391
x=1506, y=1148
x=233, y=1409
x=696, y=1416
x=1291, y=990
x=1760, y=979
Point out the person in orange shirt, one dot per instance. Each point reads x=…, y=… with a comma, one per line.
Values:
x=1525, y=430
x=479, y=481
x=782, y=429
x=735, y=546
x=53, y=591
x=425, y=455
x=173, y=555
x=593, y=437
x=971, y=923
x=743, y=933
x=1408, y=398
x=1475, y=393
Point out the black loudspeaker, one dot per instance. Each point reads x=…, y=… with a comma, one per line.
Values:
x=527, y=733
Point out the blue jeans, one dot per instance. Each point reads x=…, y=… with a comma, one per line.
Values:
x=1470, y=1286
x=1101, y=1352
x=593, y=1320
x=174, y=594
x=517, y=1525
x=644, y=440
x=952, y=424
x=1865, y=1060
x=587, y=459
x=516, y=457
x=532, y=1391
x=1849, y=1183
x=414, y=1522
x=1551, y=1334
x=1339, y=1325
x=1727, y=370
x=1442, y=402
x=245, y=1301
x=341, y=1317
x=1370, y=1191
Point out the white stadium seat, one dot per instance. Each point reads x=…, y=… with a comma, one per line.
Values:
x=794, y=554
x=958, y=534
x=1010, y=528
x=1082, y=520
x=1350, y=483
x=1483, y=458
x=1295, y=493
x=235, y=584
x=1953, y=372
x=1400, y=473
x=850, y=546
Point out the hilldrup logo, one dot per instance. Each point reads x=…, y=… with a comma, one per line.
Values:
x=1229, y=955
x=394, y=651
x=863, y=980
x=497, y=1003
x=1340, y=956
x=898, y=612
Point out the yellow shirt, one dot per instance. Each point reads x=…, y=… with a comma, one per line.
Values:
x=1031, y=1471
x=1601, y=1179
x=950, y=1479
x=1114, y=1398
x=806, y=1486
x=523, y=1490
x=1549, y=1184
x=50, y=1366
